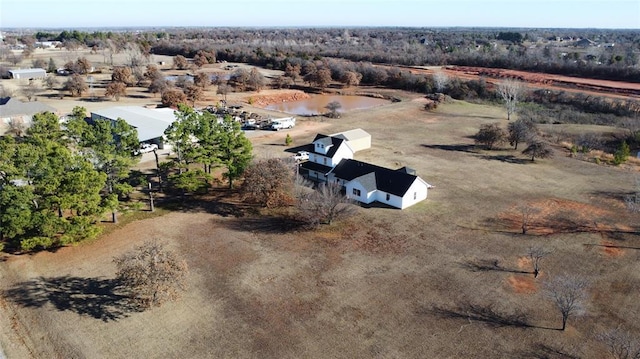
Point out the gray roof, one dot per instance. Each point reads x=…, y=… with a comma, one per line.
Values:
x=352, y=135
x=150, y=123
x=368, y=181
x=36, y=71
x=10, y=107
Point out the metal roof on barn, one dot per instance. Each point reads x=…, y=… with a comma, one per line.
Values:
x=150, y=123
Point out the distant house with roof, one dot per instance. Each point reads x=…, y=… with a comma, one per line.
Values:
x=17, y=115
x=28, y=74
x=149, y=122
x=331, y=160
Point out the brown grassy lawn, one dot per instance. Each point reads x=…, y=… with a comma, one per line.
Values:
x=446, y=278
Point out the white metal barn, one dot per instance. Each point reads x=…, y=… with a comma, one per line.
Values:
x=150, y=123
x=28, y=74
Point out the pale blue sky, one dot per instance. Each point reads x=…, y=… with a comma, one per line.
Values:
x=296, y=13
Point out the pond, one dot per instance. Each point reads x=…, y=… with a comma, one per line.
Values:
x=317, y=104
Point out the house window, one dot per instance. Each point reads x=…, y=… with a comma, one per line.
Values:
x=388, y=196
x=415, y=195
x=356, y=192
x=325, y=160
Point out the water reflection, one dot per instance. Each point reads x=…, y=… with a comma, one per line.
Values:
x=317, y=104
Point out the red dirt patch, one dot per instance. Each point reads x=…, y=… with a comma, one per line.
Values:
x=556, y=215
x=281, y=96
x=610, y=249
x=522, y=285
x=524, y=262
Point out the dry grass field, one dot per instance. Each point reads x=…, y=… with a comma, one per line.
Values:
x=446, y=278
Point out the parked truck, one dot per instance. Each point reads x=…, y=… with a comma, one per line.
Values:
x=282, y=123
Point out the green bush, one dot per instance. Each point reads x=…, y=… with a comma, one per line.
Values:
x=32, y=243
x=622, y=154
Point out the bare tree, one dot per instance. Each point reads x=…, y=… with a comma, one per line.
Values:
x=269, y=182
x=538, y=149
x=172, y=97
x=526, y=215
x=510, y=90
x=116, y=89
x=51, y=82
x=223, y=89
x=440, y=80
x=536, y=254
x=324, y=205
x=568, y=294
x=152, y=274
x=333, y=108
x=490, y=135
x=202, y=79
x=351, y=78
x=76, y=85
x=180, y=62
x=633, y=200
x=620, y=344
x=194, y=93
x=122, y=74
x=83, y=65
x=520, y=130
x=31, y=89
x=293, y=72
x=256, y=80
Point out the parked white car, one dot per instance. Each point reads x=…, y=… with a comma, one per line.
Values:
x=301, y=156
x=147, y=147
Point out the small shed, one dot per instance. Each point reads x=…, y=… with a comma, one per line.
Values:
x=36, y=73
x=358, y=139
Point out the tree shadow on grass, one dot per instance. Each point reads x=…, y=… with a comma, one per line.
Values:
x=457, y=148
x=197, y=204
x=266, y=224
x=507, y=159
x=485, y=314
x=98, y=298
x=487, y=265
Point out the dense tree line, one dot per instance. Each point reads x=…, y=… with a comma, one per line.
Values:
x=56, y=182
x=545, y=50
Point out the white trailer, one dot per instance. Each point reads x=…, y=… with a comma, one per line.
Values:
x=282, y=123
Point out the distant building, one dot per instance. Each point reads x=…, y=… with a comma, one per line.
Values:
x=16, y=115
x=28, y=74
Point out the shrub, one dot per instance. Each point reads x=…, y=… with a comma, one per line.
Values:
x=622, y=154
x=32, y=243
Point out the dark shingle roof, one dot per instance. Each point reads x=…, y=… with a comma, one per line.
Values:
x=312, y=166
x=334, y=142
x=396, y=182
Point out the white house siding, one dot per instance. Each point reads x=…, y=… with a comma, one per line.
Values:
x=360, y=144
x=365, y=197
x=419, y=188
x=343, y=152
x=394, y=201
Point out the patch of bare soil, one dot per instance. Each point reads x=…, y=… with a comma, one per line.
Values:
x=611, y=249
x=522, y=285
x=269, y=97
x=556, y=215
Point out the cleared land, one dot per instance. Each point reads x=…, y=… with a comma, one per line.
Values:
x=447, y=278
